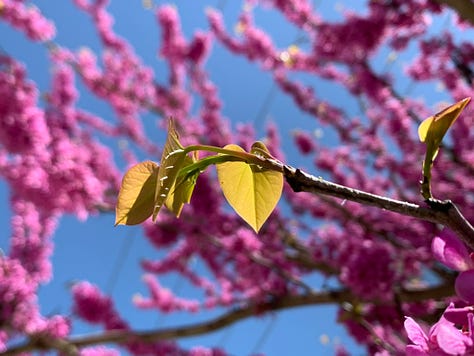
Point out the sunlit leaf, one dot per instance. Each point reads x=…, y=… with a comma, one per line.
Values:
x=431, y=131
x=136, y=197
x=435, y=127
x=172, y=160
x=251, y=190
x=182, y=190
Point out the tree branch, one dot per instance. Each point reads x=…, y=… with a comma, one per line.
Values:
x=464, y=8
x=440, y=212
x=72, y=345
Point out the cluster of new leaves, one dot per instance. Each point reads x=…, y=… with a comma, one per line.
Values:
x=251, y=184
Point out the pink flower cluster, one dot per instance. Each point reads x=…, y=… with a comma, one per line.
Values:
x=19, y=313
x=28, y=19
x=443, y=338
x=453, y=334
x=23, y=127
x=91, y=305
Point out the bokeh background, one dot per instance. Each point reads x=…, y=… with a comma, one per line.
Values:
x=96, y=251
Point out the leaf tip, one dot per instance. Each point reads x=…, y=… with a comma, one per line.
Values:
x=436, y=126
x=465, y=101
x=423, y=128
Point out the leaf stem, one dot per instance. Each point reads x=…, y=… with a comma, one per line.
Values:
x=249, y=158
x=202, y=164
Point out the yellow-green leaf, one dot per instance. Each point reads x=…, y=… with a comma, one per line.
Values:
x=172, y=160
x=182, y=190
x=259, y=149
x=136, y=195
x=251, y=190
x=435, y=127
x=431, y=131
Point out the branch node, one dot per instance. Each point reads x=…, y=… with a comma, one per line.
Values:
x=291, y=176
x=440, y=205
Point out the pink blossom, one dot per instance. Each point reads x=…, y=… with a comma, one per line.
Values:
x=93, y=306
x=163, y=299
x=449, y=250
x=299, y=12
x=57, y=326
x=202, y=351
x=365, y=35
x=174, y=45
x=369, y=270
x=3, y=340
x=90, y=304
x=20, y=310
x=31, y=239
x=199, y=48
x=215, y=130
x=23, y=127
x=218, y=29
x=99, y=351
x=304, y=142
x=443, y=338
x=27, y=18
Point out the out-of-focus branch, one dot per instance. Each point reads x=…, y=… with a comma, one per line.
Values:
x=440, y=212
x=464, y=8
x=263, y=261
x=71, y=345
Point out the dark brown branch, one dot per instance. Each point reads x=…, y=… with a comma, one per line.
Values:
x=437, y=293
x=464, y=8
x=445, y=212
x=273, y=304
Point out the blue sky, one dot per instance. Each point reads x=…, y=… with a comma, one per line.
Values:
x=96, y=251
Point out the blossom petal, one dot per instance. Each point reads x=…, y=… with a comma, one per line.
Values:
x=450, y=251
x=416, y=333
x=451, y=340
x=442, y=321
x=464, y=285
x=458, y=316
x=415, y=350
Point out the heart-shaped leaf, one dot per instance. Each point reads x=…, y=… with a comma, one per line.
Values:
x=172, y=160
x=431, y=131
x=136, y=196
x=251, y=190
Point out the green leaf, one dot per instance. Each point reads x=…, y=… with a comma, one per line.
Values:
x=172, y=160
x=182, y=189
x=435, y=127
x=432, y=131
x=251, y=190
x=136, y=196
x=259, y=149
